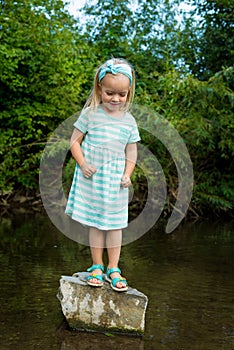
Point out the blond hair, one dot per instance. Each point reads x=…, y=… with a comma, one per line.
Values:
x=94, y=99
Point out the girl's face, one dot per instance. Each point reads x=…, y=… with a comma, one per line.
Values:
x=113, y=91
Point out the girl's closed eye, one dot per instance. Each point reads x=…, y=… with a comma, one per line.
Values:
x=110, y=93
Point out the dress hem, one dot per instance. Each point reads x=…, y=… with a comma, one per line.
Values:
x=99, y=227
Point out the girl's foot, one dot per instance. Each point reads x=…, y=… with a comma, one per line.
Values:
x=118, y=283
x=95, y=279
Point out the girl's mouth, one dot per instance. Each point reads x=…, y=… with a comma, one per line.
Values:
x=115, y=104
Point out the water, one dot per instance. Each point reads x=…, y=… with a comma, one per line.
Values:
x=187, y=276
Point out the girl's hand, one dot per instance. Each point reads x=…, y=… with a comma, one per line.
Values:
x=126, y=181
x=87, y=169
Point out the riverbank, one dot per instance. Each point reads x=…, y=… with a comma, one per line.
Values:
x=20, y=201
x=30, y=201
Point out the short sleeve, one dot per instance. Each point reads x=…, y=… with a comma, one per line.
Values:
x=134, y=137
x=82, y=122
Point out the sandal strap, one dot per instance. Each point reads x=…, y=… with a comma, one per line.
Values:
x=118, y=279
x=98, y=277
x=96, y=267
x=111, y=270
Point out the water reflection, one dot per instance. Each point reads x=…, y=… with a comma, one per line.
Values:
x=187, y=276
x=85, y=341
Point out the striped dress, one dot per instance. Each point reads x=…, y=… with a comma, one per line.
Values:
x=100, y=201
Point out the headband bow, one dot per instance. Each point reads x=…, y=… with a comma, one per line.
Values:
x=114, y=69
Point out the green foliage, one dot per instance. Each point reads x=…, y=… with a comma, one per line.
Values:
x=184, y=70
x=144, y=32
x=203, y=114
x=41, y=83
x=209, y=41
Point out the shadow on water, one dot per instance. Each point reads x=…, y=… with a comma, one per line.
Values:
x=187, y=276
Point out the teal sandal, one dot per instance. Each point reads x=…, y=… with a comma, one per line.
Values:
x=92, y=276
x=114, y=281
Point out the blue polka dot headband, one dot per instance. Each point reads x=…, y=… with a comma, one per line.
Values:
x=112, y=68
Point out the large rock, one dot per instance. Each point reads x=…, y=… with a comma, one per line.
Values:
x=101, y=309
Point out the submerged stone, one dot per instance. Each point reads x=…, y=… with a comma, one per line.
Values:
x=101, y=309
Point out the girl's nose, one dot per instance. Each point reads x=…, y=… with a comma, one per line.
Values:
x=115, y=98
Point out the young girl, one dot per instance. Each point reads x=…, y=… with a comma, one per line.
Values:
x=98, y=196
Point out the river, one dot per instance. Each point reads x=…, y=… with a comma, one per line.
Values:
x=187, y=276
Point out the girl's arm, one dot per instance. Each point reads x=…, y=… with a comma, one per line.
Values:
x=131, y=158
x=76, y=139
x=75, y=143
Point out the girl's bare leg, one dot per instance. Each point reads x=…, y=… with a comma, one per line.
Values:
x=113, y=244
x=96, y=241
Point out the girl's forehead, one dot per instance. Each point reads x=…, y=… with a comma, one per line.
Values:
x=116, y=82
